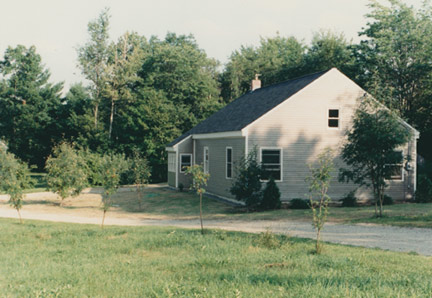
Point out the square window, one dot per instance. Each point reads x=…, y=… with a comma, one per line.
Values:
x=395, y=171
x=185, y=162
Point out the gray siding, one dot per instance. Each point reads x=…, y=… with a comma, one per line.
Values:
x=171, y=179
x=218, y=183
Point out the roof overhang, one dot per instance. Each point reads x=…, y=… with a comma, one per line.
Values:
x=218, y=135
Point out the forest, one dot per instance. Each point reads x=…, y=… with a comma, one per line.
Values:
x=142, y=92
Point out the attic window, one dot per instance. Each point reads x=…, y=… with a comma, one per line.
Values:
x=333, y=118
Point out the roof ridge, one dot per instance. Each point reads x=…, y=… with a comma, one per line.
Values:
x=289, y=81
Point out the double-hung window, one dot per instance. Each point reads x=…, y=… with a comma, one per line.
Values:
x=396, y=170
x=171, y=162
x=229, y=163
x=206, y=160
x=271, y=162
x=333, y=118
x=185, y=162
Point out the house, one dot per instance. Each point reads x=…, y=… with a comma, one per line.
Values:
x=289, y=124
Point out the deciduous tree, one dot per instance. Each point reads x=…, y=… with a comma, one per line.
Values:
x=199, y=181
x=370, y=146
x=14, y=178
x=319, y=182
x=66, y=174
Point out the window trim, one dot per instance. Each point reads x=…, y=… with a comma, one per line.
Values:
x=328, y=118
x=226, y=162
x=398, y=164
x=281, y=160
x=206, y=169
x=180, y=161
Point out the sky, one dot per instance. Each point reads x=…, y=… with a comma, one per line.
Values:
x=58, y=27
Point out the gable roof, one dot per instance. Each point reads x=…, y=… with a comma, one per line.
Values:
x=249, y=107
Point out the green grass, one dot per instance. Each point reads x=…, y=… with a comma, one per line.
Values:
x=39, y=259
x=163, y=201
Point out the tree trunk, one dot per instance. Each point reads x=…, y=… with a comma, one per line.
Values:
x=376, y=208
x=202, y=229
x=318, y=247
x=19, y=215
x=103, y=219
x=381, y=207
x=111, y=119
x=96, y=110
x=139, y=196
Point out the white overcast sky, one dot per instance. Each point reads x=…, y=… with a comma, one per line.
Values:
x=58, y=27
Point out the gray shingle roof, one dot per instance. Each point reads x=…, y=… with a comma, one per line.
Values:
x=249, y=107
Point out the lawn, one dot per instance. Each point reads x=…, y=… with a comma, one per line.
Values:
x=164, y=203
x=40, y=259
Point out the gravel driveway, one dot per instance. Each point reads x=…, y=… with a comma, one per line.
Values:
x=367, y=235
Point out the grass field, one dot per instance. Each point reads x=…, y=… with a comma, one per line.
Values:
x=39, y=259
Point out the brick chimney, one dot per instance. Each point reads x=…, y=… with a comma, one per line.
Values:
x=256, y=83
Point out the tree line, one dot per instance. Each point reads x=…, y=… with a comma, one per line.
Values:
x=142, y=92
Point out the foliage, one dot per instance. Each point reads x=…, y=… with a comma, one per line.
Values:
x=247, y=182
x=14, y=178
x=276, y=59
x=139, y=173
x=199, y=181
x=268, y=240
x=271, y=196
x=66, y=174
x=319, y=183
x=112, y=166
x=93, y=59
x=125, y=60
x=395, y=59
x=298, y=203
x=94, y=163
x=424, y=189
x=370, y=146
x=29, y=105
x=327, y=50
x=349, y=200
x=388, y=200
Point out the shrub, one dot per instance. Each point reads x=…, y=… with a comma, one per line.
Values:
x=93, y=163
x=424, y=190
x=299, y=204
x=271, y=196
x=349, y=200
x=247, y=184
x=388, y=200
x=268, y=240
x=181, y=186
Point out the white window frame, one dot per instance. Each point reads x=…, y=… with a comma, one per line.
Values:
x=206, y=163
x=172, y=162
x=226, y=162
x=398, y=164
x=281, y=160
x=333, y=118
x=180, y=161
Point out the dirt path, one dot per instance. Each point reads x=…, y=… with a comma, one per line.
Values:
x=366, y=235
